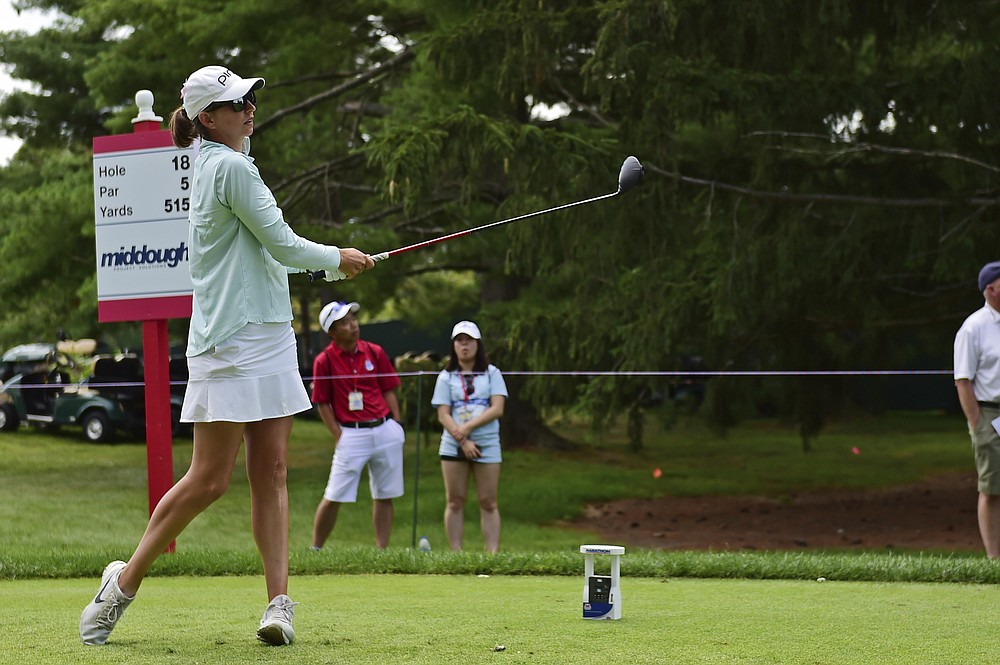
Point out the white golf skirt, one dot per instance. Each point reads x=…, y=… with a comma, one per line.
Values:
x=253, y=375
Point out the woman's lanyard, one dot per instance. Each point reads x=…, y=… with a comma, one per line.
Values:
x=468, y=385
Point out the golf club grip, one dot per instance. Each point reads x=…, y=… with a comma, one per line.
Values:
x=321, y=274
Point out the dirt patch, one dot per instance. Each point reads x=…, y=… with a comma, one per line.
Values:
x=935, y=514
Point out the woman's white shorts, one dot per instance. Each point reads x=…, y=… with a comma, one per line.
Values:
x=253, y=375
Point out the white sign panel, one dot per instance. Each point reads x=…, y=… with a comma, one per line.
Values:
x=141, y=203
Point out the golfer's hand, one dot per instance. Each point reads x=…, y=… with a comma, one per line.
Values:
x=353, y=262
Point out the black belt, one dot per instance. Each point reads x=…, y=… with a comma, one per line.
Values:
x=992, y=405
x=366, y=424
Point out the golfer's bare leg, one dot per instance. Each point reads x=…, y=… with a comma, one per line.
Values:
x=213, y=456
x=266, y=459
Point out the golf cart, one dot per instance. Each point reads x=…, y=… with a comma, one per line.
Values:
x=111, y=399
x=26, y=358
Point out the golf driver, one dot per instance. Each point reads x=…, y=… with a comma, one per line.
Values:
x=628, y=177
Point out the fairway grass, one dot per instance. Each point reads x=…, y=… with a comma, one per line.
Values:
x=75, y=503
x=462, y=619
x=68, y=508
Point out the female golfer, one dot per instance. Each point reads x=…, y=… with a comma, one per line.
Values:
x=469, y=395
x=244, y=382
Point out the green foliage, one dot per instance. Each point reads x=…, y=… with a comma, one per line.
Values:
x=61, y=113
x=423, y=299
x=765, y=276
x=820, y=189
x=46, y=246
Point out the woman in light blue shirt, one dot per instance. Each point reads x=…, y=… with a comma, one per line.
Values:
x=469, y=395
x=244, y=382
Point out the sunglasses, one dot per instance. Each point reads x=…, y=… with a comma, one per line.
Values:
x=237, y=105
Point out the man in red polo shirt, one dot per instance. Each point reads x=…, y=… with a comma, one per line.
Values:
x=360, y=408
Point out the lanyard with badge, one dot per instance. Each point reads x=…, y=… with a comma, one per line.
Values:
x=468, y=383
x=355, y=398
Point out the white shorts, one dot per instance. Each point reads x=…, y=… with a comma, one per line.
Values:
x=380, y=449
x=251, y=376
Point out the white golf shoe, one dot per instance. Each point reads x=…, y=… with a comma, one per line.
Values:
x=276, y=624
x=107, y=607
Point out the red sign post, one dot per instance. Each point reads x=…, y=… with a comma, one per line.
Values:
x=141, y=189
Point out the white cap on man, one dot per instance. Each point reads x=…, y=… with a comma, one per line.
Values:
x=467, y=327
x=335, y=311
x=214, y=83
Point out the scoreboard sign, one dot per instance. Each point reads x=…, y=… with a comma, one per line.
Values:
x=142, y=186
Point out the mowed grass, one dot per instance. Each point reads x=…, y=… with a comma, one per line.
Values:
x=464, y=619
x=67, y=508
x=765, y=457
x=65, y=500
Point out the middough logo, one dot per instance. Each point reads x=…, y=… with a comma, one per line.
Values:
x=145, y=257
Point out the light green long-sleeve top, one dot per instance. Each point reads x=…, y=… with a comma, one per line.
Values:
x=240, y=246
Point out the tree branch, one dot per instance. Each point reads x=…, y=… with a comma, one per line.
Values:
x=841, y=199
x=829, y=198
x=601, y=120
x=874, y=147
x=359, y=80
x=341, y=162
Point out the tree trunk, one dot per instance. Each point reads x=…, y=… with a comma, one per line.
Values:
x=521, y=427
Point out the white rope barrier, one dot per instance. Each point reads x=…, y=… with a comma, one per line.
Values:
x=580, y=373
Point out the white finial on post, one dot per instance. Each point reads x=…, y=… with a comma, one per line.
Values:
x=144, y=100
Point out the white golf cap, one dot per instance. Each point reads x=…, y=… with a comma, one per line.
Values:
x=214, y=83
x=467, y=327
x=335, y=311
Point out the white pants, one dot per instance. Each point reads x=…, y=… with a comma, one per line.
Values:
x=380, y=449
